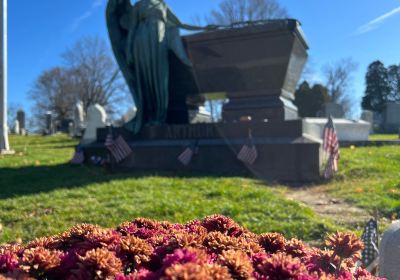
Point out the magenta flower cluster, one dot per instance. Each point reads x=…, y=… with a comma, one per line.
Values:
x=213, y=248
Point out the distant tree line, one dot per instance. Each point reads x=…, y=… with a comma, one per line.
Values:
x=310, y=99
x=336, y=88
x=382, y=86
x=88, y=74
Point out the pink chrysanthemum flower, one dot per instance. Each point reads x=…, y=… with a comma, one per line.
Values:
x=8, y=262
x=281, y=266
x=98, y=264
x=223, y=224
x=40, y=261
x=272, y=242
x=182, y=256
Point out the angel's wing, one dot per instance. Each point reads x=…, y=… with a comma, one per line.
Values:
x=118, y=32
x=119, y=26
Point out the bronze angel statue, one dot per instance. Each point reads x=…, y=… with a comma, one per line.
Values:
x=142, y=35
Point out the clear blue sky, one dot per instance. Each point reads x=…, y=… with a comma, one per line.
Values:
x=40, y=30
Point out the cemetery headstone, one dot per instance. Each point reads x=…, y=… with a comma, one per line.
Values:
x=96, y=118
x=22, y=121
x=200, y=115
x=389, y=253
x=391, y=117
x=71, y=129
x=368, y=116
x=49, y=130
x=331, y=109
x=17, y=129
x=130, y=115
x=79, y=119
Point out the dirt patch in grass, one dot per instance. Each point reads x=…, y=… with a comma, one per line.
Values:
x=332, y=208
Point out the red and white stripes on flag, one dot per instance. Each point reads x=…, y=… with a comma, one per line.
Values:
x=186, y=157
x=118, y=148
x=331, y=147
x=248, y=154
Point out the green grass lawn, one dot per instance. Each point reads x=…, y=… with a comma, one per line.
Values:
x=370, y=178
x=42, y=194
x=383, y=137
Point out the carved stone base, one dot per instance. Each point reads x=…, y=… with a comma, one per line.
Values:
x=260, y=106
x=284, y=153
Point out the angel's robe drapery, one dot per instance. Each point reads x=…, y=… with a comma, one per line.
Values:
x=141, y=36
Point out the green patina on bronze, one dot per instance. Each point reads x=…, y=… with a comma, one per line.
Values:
x=141, y=36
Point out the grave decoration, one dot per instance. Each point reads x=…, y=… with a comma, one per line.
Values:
x=213, y=248
x=257, y=66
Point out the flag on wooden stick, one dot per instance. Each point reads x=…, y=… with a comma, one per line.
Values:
x=248, y=154
x=331, y=147
x=118, y=148
x=187, y=155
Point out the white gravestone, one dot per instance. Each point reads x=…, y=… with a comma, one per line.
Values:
x=71, y=129
x=17, y=129
x=347, y=130
x=79, y=119
x=389, y=253
x=130, y=115
x=391, y=117
x=368, y=116
x=96, y=118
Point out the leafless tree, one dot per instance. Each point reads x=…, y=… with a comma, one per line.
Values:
x=234, y=11
x=339, y=77
x=89, y=74
x=95, y=76
x=53, y=91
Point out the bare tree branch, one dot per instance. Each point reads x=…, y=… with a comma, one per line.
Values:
x=339, y=77
x=89, y=74
x=233, y=11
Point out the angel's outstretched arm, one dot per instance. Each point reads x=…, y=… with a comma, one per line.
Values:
x=173, y=19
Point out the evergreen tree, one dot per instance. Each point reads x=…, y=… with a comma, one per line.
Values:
x=394, y=82
x=378, y=89
x=310, y=100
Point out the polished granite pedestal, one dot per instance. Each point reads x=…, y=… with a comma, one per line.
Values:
x=285, y=152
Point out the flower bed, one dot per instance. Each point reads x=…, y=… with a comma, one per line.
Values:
x=213, y=248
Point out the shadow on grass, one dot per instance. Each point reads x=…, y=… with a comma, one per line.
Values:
x=31, y=180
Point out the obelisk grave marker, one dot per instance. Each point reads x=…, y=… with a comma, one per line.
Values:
x=4, y=145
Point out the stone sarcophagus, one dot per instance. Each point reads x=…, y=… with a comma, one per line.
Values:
x=257, y=66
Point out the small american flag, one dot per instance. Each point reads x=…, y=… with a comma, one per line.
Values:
x=248, y=154
x=186, y=157
x=370, y=239
x=331, y=147
x=79, y=156
x=119, y=149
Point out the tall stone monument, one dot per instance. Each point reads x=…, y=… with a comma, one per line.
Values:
x=4, y=145
x=391, y=117
x=257, y=65
x=21, y=118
